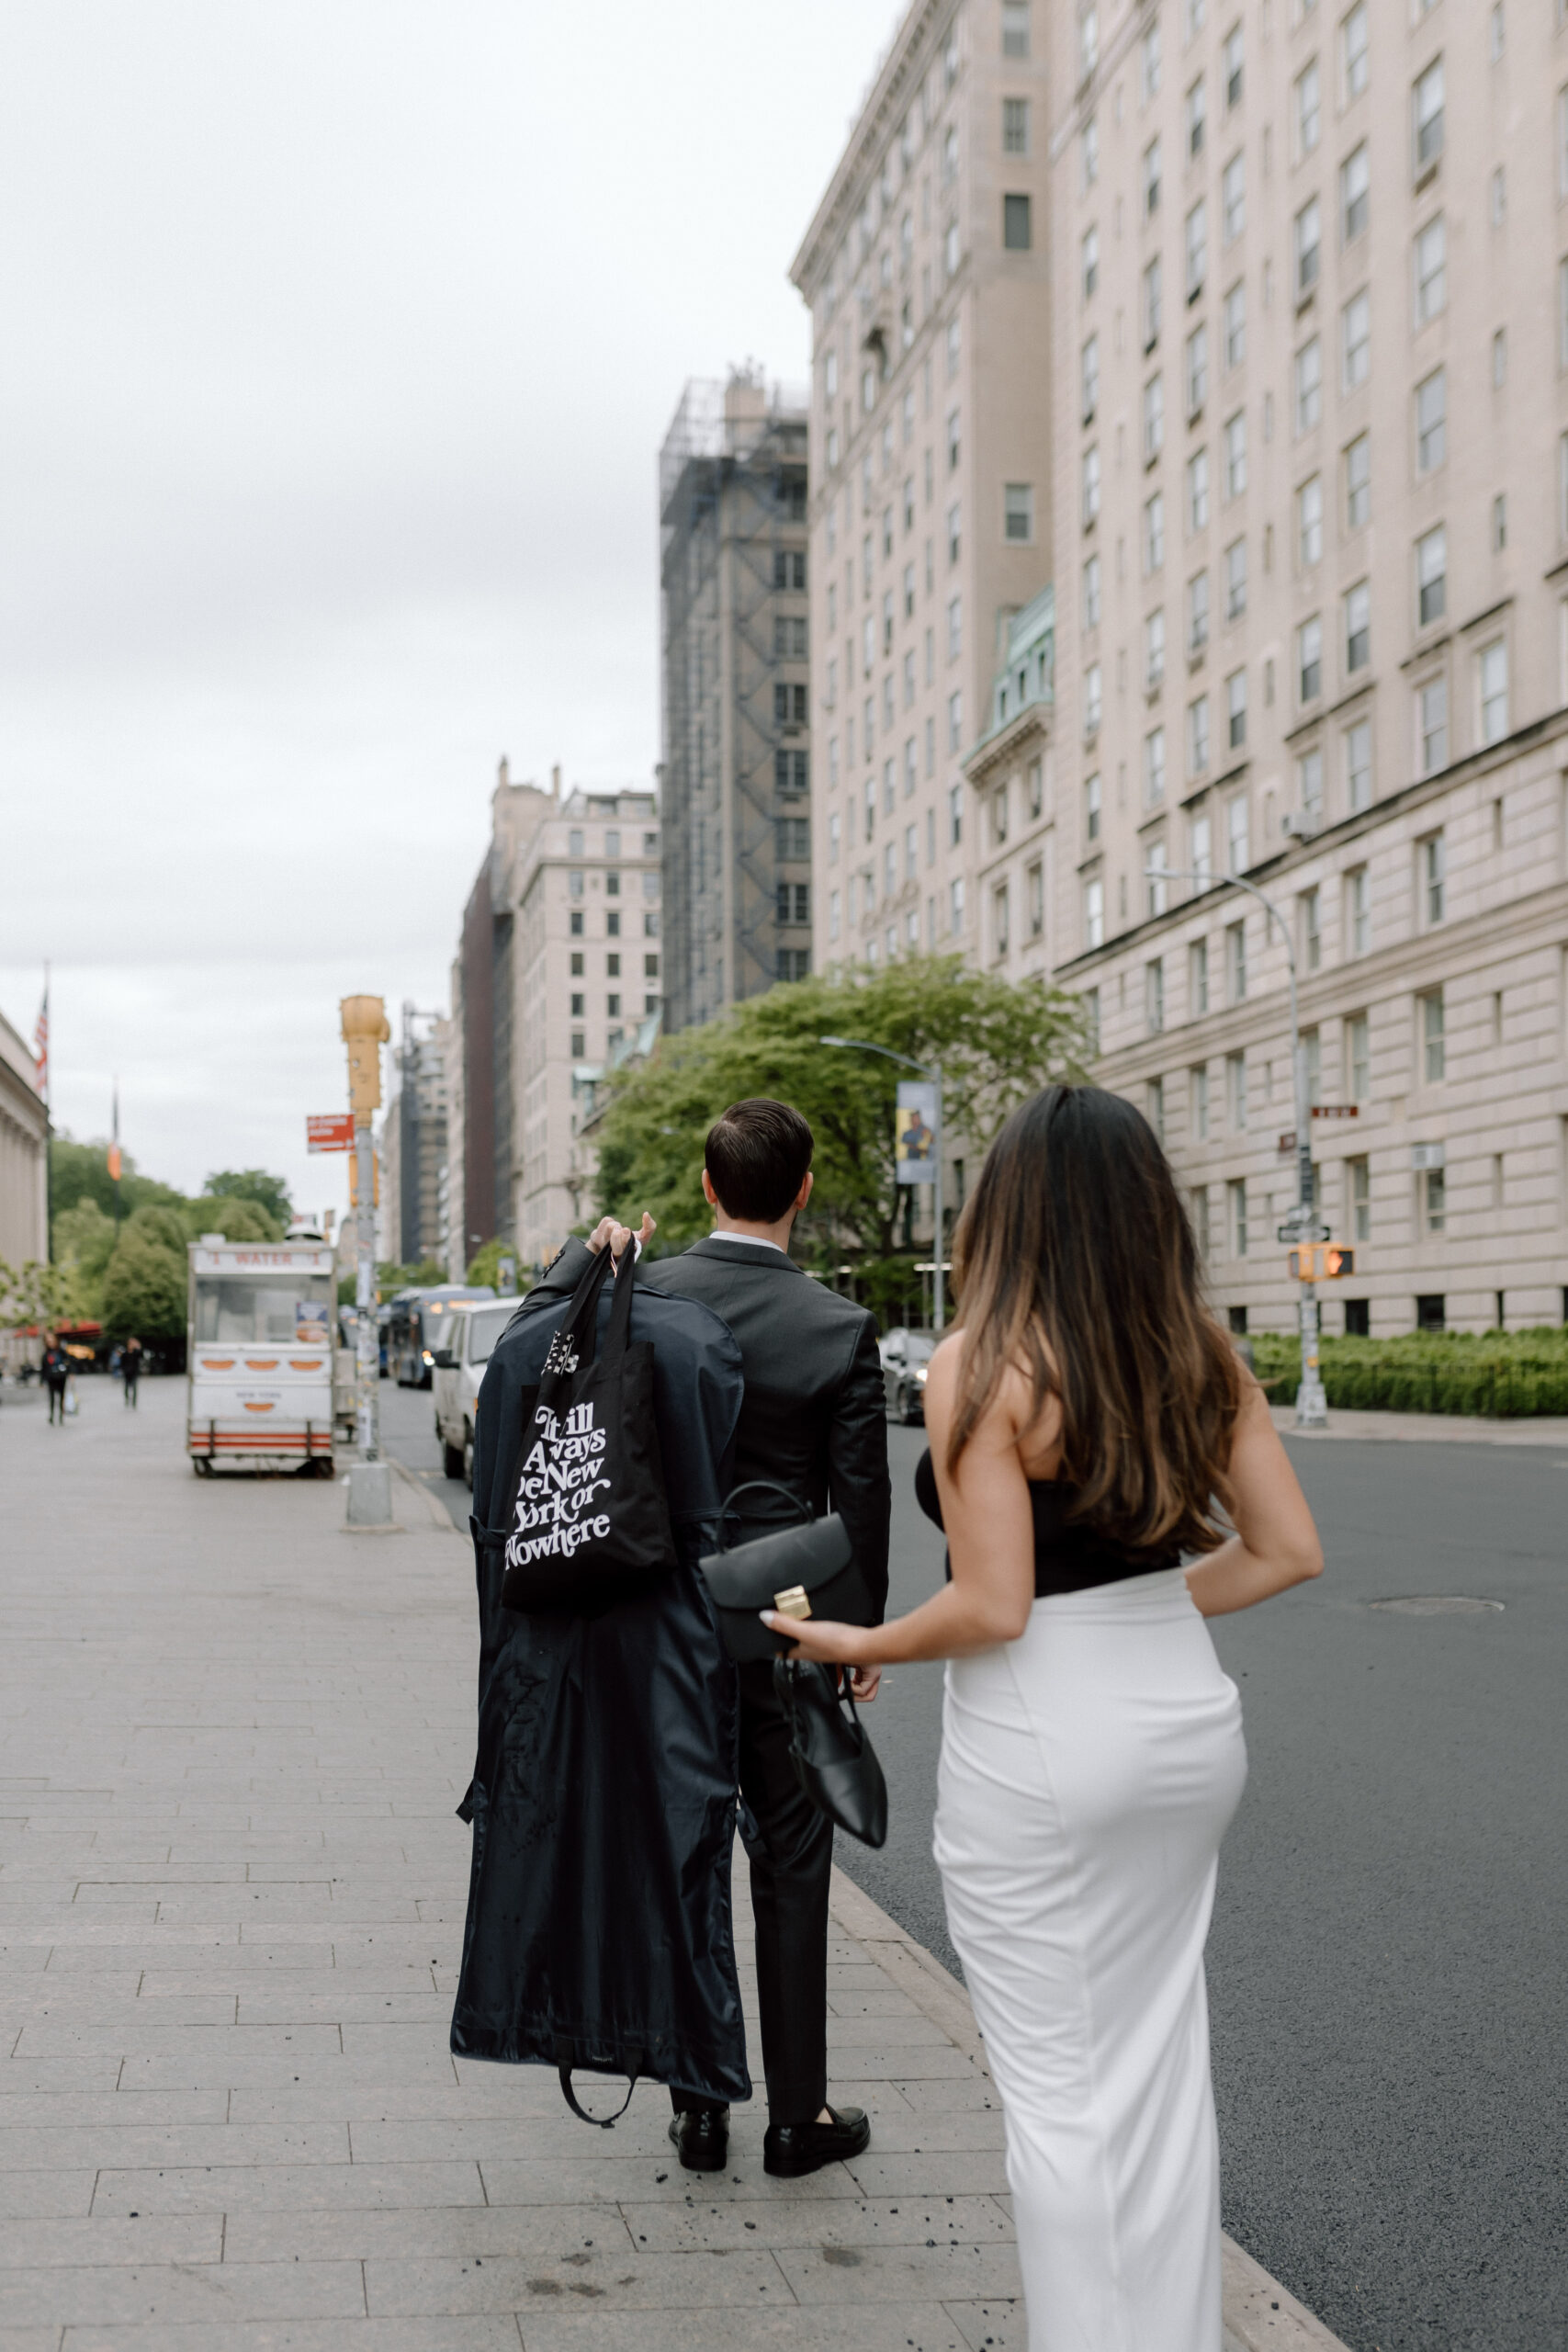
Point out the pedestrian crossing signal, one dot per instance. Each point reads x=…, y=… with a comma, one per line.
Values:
x=1322, y=1263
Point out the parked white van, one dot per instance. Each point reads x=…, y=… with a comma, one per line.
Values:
x=459, y=1368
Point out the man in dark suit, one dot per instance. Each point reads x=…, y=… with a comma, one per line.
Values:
x=813, y=1421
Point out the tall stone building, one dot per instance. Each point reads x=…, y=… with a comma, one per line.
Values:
x=587, y=894
x=735, y=782
x=927, y=273
x=24, y=1154
x=1311, y=398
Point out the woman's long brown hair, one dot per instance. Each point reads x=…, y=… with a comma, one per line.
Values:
x=1074, y=1261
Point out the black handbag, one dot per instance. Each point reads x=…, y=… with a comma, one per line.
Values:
x=806, y=1571
x=589, y=1519
x=834, y=1761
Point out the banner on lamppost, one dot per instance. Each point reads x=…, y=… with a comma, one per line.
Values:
x=916, y=1140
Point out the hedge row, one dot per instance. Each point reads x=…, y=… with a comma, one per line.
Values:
x=1510, y=1376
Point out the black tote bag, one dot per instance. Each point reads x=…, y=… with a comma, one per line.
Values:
x=590, y=1521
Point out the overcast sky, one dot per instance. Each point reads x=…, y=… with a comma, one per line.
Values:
x=339, y=337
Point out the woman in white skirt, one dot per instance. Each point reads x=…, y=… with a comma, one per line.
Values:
x=1090, y=1424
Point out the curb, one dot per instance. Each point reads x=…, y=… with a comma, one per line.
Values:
x=436, y=1514
x=1260, y=2316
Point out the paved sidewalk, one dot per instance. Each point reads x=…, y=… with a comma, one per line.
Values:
x=1429, y=1429
x=232, y=1894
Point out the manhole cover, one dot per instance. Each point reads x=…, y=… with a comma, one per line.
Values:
x=1438, y=1604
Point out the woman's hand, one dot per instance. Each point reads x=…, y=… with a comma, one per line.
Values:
x=819, y=1639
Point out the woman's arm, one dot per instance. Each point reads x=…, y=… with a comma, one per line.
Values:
x=990, y=1534
x=1276, y=1543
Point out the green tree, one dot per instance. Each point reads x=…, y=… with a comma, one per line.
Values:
x=485, y=1266
x=84, y=1244
x=997, y=1043
x=165, y=1225
x=80, y=1171
x=144, y=1286
x=391, y=1278
x=38, y=1294
x=269, y=1192
x=236, y=1220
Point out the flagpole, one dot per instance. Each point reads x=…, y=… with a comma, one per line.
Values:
x=43, y=1066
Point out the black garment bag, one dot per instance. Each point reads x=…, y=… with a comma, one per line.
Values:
x=591, y=1524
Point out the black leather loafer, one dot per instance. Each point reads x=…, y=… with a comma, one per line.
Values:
x=702, y=2139
x=791, y=2149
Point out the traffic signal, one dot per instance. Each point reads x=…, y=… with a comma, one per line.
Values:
x=1322, y=1263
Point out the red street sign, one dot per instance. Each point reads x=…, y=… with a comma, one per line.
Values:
x=1322, y=1110
x=330, y=1130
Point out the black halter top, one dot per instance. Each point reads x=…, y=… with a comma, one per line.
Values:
x=1068, y=1558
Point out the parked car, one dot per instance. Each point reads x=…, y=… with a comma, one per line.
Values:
x=905, y=1355
x=459, y=1368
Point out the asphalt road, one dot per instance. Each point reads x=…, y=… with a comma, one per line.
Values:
x=1386, y=1968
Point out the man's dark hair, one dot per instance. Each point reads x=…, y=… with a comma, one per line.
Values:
x=758, y=1155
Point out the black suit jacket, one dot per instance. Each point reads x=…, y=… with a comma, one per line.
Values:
x=813, y=1416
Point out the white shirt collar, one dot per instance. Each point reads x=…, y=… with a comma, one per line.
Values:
x=751, y=1241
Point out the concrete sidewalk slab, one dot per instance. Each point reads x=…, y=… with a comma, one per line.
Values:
x=232, y=1897
x=1428, y=1429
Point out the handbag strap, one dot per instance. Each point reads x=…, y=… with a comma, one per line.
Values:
x=563, y=2069
x=762, y=1485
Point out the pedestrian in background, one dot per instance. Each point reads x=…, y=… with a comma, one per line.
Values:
x=55, y=1367
x=1090, y=1423
x=130, y=1367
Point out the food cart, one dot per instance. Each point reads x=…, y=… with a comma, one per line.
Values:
x=259, y=1355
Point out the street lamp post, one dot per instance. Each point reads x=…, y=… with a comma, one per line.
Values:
x=1301, y=1224
x=933, y=1071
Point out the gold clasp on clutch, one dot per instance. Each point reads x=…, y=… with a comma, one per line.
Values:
x=793, y=1603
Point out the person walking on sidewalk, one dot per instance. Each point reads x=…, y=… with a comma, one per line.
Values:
x=813, y=1421
x=55, y=1366
x=1089, y=1422
x=130, y=1367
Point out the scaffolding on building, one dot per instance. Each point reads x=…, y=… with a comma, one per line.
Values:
x=732, y=486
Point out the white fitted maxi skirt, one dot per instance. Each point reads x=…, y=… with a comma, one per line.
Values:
x=1088, y=1770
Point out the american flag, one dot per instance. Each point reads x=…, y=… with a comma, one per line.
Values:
x=41, y=1045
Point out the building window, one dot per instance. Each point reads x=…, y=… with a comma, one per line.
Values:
x=1309, y=660
x=1236, y=710
x=1017, y=236
x=999, y=923
x=1153, y=1106
x=1091, y=593
x=1088, y=152
x=1309, y=385
x=1235, y=325
x=955, y=815
x=1236, y=841
x=1308, y=109
x=954, y=722
x=1357, y=627
x=1491, y=668
x=1034, y=784
x=1309, y=522
x=1308, y=247
x=1427, y=124
x=1154, y=767
x=1152, y=282
x=1236, y=456
x=1154, y=995
x=1154, y=418
x=1090, y=485
x=1197, y=371
x=1499, y=358
x=1198, y=735
x=1154, y=522
x=1358, y=911
x=1089, y=379
x=1236, y=1090
x=1151, y=179
x=1309, y=785
x=1232, y=198
x=1360, y=1187
x=1149, y=63
x=1431, y=421
x=1236, y=579
x=1359, y=766
x=1433, y=878
x=1431, y=271
x=1197, y=117
x=1235, y=1195
x=1197, y=489
x=1200, y=850
x=1197, y=613
x=1015, y=132
x=1094, y=913
x=1091, y=808
x=1355, y=185
x=1198, y=1095
x=1198, y=985
x=1356, y=343
x=1312, y=939
x=1197, y=249
x=1034, y=889
x=1230, y=68
x=1358, y=1056
x=1091, y=700
x=1236, y=967
x=1353, y=48
x=1015, y=27
x=1430, y=1313
x=1154, y=651
x=1358, y=483
x=1432, y=724
x=1018, y=512
x=1434, y=1051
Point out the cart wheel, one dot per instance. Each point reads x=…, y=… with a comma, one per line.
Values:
x=452, y=1458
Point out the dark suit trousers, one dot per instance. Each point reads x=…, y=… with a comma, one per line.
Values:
x=791, y=1861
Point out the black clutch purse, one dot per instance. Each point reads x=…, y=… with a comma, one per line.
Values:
x=806, y=1571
